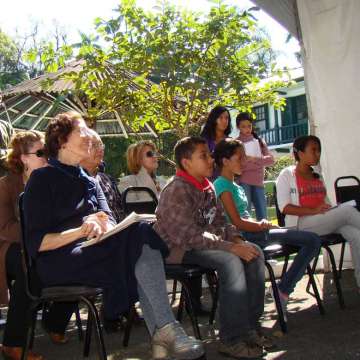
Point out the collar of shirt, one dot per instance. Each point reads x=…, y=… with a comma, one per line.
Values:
x=204, y=186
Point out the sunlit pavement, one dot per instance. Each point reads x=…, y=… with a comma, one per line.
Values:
x=336, y=335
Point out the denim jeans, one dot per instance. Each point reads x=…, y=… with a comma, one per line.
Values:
x=309, y=246
x=241, y=291
x=343, y=220
x=256, y=196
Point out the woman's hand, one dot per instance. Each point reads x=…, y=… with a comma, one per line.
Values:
x=245, y=251
x=100, y=218
x=265, y=224
x=251, y=158
x=322, y=209
x=91, y=229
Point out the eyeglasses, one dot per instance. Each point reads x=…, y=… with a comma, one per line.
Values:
x=99, y=146
x=39, y=153
x=151, y=153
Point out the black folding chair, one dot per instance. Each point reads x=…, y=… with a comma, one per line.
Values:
x=276, y=251
x=327, y=241
x=346, y=192
x=180, y=273
x=64, y=293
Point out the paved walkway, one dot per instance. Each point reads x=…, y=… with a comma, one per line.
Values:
x=311, y=336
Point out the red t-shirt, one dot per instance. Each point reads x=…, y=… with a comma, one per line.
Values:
x=312, y=192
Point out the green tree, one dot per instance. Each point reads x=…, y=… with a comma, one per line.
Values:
x=10, y=70
x=197, y=59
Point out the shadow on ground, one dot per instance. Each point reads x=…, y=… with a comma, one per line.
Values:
x=336, y=335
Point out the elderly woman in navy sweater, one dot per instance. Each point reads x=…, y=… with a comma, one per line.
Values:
x=63, y=206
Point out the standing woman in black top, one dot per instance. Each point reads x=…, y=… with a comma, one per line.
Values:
x=63, y=206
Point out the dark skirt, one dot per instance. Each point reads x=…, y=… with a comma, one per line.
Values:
x=109, y=265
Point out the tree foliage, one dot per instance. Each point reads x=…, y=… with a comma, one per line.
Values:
x=10, y=71
x=27, y=54
x=196, y=61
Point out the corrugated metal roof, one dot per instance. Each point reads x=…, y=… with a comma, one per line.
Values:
x=35, y=85
x=61, y=85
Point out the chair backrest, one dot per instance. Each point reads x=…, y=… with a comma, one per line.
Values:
x=280, y=216
x=347, y=192
x=140, y=207
x=32, y=282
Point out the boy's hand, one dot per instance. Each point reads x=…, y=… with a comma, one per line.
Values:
x=245, y=251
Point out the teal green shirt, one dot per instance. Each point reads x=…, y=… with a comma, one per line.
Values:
x=222, y=184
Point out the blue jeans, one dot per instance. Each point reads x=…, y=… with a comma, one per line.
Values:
x=255, y=196
x=241, y=291
x=309, y=246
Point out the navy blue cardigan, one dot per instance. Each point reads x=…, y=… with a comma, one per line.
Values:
x=57, y=198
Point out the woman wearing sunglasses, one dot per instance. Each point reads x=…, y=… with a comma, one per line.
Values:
x=142, y=161
x=25, y=155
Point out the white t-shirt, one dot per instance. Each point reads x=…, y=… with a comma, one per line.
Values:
x=252, y=148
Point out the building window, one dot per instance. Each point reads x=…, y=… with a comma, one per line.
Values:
x=301, y=108
x=262, y=117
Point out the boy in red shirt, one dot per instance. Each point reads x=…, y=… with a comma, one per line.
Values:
x=192, y=223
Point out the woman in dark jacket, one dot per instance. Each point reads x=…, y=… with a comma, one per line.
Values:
x=63, y=206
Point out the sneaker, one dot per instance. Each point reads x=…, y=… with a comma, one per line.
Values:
x=241, y=350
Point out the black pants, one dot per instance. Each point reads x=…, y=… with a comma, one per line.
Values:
x=17, y=317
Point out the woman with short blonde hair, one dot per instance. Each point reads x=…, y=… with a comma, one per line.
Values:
x=142, y=161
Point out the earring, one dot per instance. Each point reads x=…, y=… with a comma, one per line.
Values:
x=26, y=167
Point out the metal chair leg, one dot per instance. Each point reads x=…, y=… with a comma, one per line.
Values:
x=98, y=330
x=174, y=289
x=214, y=289
x=128, y=327
x=335, y=277
x=88, y=334
x=79, y=324
x=286, y=263
x=316, y=291
x=313, y=269
x=181, y=305
x=282, y=321
x=30, y=330
x=341, y=263
x=190, y=309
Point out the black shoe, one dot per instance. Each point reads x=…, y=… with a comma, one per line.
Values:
x=113, y=326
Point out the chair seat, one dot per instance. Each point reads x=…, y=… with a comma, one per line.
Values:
x=186, y=271
x=276, y=250
x=332, y=239
x=69, y=293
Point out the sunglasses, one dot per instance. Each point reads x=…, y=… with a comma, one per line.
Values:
x=151, y=153
x=39, y=153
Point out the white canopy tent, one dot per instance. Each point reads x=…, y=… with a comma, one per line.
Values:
x=328, y=32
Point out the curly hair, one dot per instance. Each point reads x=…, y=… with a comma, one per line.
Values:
x=134, y=153
x=58, y=131
x=20, y=144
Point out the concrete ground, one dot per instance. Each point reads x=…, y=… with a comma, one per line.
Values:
x=336, y=335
